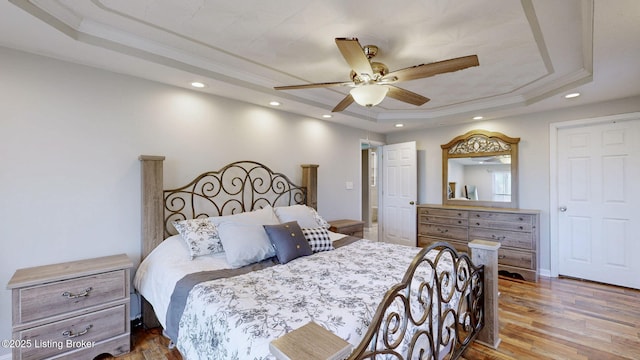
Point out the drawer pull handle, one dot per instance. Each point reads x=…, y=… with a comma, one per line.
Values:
x=69, y=295
x=502, y=256
x=442, y=231
x=70, y=334
x=498, y=237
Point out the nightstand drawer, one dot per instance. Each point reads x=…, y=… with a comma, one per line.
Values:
x=347, y=227
x=38, y=302
x=73, y=333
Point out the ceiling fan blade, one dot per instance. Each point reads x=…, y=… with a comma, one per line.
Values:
x=427, y=70
x=316, y=85
x=354, y=55
x=406, y=96
x=343, y=104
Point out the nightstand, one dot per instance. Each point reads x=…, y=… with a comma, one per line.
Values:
x=78, y=309
x=310, y=342
x=348, y=227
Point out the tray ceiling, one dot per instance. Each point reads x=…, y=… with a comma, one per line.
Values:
x=529, y=51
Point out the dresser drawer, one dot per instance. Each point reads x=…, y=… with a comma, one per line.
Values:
x=57, y=338
x=443, y=220
x=515, y=239
x=521, y=259
x=38, y=302
x=492, y=224
x=498, y=216
x=426, y=241
x=461, y=214
x=443, y=231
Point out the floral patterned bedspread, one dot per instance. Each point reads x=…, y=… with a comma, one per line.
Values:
x=236, y=318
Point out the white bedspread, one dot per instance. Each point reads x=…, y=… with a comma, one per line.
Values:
x=236, y=318
x=159, y=272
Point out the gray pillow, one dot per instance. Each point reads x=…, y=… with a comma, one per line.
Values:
x=288, y=241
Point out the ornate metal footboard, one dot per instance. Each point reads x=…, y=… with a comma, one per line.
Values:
x=434, y=313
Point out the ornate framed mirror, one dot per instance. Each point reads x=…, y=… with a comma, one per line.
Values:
x=480, y=168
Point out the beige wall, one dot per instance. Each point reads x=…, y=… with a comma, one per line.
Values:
x=70, y=137
x=534, y=172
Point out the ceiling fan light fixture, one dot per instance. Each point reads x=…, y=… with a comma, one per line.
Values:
x=369, y=95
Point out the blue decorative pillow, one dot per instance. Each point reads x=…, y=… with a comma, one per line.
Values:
x=318, y=239
x=288, y=240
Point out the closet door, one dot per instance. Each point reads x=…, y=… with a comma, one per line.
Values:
x=599, y=202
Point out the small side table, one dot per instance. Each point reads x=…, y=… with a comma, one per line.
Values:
x=310, y=342
x=75, y=310
x=348, y=227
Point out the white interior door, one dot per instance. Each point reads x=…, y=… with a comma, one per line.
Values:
x=599, y=202
x=399, y=193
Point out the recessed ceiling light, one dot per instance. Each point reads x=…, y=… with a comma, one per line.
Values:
x=327, y=116
x=399, y=125
x=572, y=95
x=478, y=118
x=274, y=103
x=198, y=84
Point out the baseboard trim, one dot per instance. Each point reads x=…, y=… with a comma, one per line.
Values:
x=545, y=272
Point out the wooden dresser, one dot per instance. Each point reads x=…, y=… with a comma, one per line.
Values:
x=517, y=231
x=73, y=310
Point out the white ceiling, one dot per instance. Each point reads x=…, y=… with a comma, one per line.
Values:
x=530, y=52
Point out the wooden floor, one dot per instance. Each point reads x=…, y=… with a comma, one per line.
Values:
x=552, y=319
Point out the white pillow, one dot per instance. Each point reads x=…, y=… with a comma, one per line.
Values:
x=264, y=216
x=244, y=244
x=307, y=217
x=200, y=235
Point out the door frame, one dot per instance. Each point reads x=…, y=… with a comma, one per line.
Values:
x=554, y=212
x=377, y=145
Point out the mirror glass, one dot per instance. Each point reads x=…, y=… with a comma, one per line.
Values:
x=480, y=169
x=484, y=178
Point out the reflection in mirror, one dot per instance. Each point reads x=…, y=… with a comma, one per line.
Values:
x=486, y=178
x=480, y=168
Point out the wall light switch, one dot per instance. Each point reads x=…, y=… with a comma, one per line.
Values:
x=349, y=185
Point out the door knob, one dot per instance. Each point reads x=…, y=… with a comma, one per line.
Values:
x=563, y=208
x=411, y=202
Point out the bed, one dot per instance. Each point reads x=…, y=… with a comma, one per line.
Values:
x=215, y=301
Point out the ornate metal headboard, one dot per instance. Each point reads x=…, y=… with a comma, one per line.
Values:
x=238, y=187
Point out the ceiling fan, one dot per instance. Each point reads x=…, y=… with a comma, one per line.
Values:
x=371, y=81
